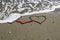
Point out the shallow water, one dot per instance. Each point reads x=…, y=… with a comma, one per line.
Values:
x=27, y=7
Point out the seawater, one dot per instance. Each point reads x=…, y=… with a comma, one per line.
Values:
x=27, y=7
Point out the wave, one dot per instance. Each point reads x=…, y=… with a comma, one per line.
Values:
x=27, y=7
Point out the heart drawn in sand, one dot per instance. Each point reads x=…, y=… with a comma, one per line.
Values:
x=38, y=19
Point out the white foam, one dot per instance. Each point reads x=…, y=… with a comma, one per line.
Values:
x=11, y=18
x=14, y=16
x=57, y=6
x=38, y=12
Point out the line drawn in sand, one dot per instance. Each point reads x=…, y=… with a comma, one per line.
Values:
x=11, y=10
x=33, y=20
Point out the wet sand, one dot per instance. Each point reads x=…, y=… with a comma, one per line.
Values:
x=48, y=30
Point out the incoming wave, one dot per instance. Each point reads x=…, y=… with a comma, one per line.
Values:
x=27, y=7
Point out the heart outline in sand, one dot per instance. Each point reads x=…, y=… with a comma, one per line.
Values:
x=31, y=18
